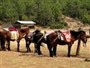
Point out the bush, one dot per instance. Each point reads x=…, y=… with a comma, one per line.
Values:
x=58, y=25
x=86, y=19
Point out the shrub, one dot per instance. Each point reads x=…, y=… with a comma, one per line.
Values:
x=58, y=25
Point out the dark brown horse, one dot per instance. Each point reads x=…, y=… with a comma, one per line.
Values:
x=35, y=37
x=55, y=38
x=22, y=33
x=5, y=36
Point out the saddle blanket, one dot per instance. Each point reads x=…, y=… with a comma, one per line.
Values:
x=67, y=35
x=14, y=34
x=12, y=29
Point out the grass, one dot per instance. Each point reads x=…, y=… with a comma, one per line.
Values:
x=13, y=59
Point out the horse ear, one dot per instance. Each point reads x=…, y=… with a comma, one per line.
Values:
x=45, y=32
x=37, y=31
x=79, y=29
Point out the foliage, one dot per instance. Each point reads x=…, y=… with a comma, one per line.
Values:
x=45, y=12
x=58, y=25
x=78, y=9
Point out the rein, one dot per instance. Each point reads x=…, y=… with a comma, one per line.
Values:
x=54, y=40
x=84, y=44
x=59, y=35
x=40, y=39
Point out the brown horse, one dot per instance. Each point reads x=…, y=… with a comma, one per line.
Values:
x=55, y=38
x=22, y=33
x=5, y=36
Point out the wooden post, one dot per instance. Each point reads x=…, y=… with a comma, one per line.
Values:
x=88, y=58
x=89, y=31
x=78, y=47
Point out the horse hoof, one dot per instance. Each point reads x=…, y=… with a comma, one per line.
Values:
x=18, y=51
x=68, y=56
x=77, y=54
x=9, y=49
x=35, y=51
x=87, y=59
x=55, y=56
x=51, y=55
x=3, y=49
x=40, y=54
x=28, y=51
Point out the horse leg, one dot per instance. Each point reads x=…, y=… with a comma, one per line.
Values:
x=69, y=50
x=27, y=46
x=38, y=49
x=3, y=44
x=8, y=44
x=18, y=45
x=54, y=50
x=28, y=42
x=78, y=48
x=50, y=50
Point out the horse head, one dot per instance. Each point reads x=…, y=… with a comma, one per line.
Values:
x=37, y=31
x=82, y=36
x=35, y=35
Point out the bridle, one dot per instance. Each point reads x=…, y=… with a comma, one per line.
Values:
x=84, y=44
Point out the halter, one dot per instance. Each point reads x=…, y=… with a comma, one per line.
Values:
x=84, y=44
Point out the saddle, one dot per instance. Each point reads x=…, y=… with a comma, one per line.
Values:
x=12, y=29
x=65, y=35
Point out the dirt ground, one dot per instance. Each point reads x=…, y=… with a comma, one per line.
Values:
x=14, y=59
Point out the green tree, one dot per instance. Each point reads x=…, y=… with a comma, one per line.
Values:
x=20, y=8
x=1, y=2
x=7, y=10
x=72, y=9
x=30, y=11
x=44, y=12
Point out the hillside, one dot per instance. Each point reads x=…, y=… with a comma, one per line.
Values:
x=72, y=23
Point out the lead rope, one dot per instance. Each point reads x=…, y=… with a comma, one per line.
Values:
x=59, y=36
x=54, y=40
x=40, y=39
x=87, y=58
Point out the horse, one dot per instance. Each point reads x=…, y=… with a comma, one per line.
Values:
x=28, y=36
x=37, y=38
x=5, y=36
x=22, y=32
x=56, y=38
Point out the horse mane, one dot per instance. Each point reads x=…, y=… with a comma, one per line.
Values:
x=75, y=34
